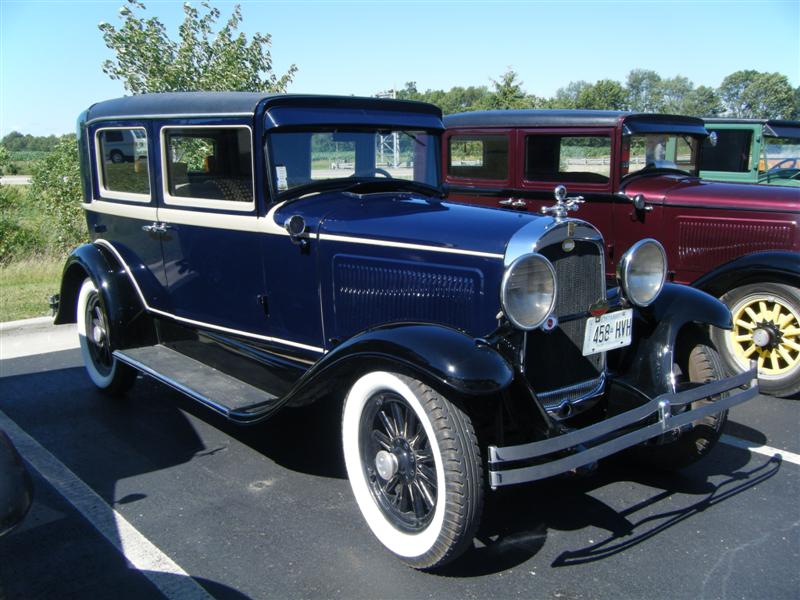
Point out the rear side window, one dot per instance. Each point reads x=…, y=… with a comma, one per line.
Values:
x=478, y=156
x=731, y=153
x=583, y=159
x=208, y=166
x=123, y=172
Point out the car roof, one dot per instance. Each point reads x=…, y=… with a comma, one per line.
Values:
x=196, y=104
x=771, y=127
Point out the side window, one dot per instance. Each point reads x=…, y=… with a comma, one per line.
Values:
x=478, y=156
x=123, y=172
x=208, y=166
x=582, y=159
x=731, y=153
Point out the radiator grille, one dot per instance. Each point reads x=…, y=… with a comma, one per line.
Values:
x=369, y=292
x=555, y=364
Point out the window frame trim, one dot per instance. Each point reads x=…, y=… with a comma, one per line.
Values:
x=108, y=194
x=508, y=132
x=210, y=203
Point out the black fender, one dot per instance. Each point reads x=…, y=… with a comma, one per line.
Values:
x=442, y=357
x=778, y=266
x=656, y=329
x=120, y=300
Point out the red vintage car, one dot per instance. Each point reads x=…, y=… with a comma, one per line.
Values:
x=637, y=177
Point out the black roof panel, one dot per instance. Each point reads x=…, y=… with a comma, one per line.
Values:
x=174, y=104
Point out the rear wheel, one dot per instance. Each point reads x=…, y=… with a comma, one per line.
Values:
x=766, y=328
x=105, y=371
x=697, y=362
x=414, y=466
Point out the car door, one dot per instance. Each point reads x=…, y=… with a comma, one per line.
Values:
x=209, y=226
x=124, y=203
x=478, y=166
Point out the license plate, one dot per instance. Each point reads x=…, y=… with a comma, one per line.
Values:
x=607, y=332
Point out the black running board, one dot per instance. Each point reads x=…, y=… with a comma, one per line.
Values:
x=231, y=397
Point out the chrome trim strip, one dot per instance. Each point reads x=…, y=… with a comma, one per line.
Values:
x=386, y=243
x=265, y=338
x=660, y=406
x=129, y=117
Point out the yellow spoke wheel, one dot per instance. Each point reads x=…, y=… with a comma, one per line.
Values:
x=766, y=329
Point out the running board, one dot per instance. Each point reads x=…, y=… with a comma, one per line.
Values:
x=231, y=397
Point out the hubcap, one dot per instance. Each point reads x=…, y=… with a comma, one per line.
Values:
x=97, y=336
x=766, y=329
x=398, y=461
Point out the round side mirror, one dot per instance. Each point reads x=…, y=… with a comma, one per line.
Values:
x=295, y=225
x=639, y=202
x=713, y=138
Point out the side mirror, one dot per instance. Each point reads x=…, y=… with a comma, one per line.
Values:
x=639, y=203
x=713, y=138
x=296, y=227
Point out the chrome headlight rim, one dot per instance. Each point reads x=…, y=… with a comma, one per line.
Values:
x=504, y=286
x=624, y=267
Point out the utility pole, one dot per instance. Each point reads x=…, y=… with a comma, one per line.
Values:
x=389, y=143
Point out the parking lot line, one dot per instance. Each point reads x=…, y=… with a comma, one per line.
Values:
x=140, y=552
x=765, y=450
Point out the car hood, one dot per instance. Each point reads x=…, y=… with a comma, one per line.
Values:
x=417, y=220
x=678, y=189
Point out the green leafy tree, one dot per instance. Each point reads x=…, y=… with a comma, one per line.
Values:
x=769, y=96
x=731, y=91
x=567, y=97
x=673, y=93
x=644, y=91
x=702, y=101
x=202, y=58
x=606, y=94
x=56, y=183
x=5, y=160
x=508, y=92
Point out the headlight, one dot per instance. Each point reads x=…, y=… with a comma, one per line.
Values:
x=528, y=291
x=641, y=272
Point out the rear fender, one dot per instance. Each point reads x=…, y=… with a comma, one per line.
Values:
x=120, y=300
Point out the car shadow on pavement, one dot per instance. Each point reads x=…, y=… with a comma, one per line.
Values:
x=516, y=521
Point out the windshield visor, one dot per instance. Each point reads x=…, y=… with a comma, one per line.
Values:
x=654, y=151
x=303, y=158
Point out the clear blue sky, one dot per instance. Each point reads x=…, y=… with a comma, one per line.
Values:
x=51, y=51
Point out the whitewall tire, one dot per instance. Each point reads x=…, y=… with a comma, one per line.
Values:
x=414, y=466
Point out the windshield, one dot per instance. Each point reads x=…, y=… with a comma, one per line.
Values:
x=305, y=158
x=652, y=151
x=779, y=154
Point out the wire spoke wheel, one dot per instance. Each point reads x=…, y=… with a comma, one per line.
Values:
x=398, y=462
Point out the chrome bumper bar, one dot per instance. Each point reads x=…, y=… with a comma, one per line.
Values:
x=589, y=444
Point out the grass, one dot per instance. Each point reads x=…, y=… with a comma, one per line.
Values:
x=26, y=286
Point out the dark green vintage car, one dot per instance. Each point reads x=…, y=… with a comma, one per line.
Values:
x=752, y=151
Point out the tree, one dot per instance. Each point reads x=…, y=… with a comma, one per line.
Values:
x=731, y=90
x=508, y=92
x=644, y=91
x=56, y=183
x=148, y=60
x=567, y=97
x=673, y=92
x=702, y=101
x=769, y=96
x=606, y=94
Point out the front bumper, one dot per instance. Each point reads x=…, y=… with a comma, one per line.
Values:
x=589, y=444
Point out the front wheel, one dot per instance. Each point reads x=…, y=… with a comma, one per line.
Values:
x=105, y=371
x=414, y=466
x=766, y=328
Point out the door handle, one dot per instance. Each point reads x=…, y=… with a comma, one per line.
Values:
x=513, y=203
x=150, y=228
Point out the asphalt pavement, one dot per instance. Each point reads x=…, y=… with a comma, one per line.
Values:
x=155, y=496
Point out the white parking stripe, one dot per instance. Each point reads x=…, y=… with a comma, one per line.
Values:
x=765, y=450
x=140, y=552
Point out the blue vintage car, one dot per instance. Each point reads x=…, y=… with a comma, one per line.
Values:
x=272, y=251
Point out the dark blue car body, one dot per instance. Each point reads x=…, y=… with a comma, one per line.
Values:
x=220, y=300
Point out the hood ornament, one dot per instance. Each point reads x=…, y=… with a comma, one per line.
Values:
x=563, y=204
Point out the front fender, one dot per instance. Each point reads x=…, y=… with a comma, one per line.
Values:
x=779, y=266
x=435, y=354
x=649, y=368
x=120, y=300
